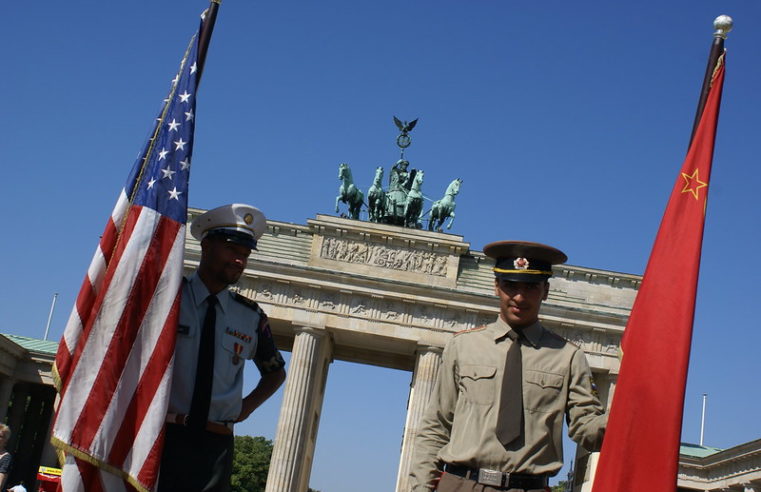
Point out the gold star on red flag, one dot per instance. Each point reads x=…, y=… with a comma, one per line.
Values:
x=692, y=183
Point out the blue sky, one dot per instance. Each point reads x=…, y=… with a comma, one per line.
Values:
x=567, y=121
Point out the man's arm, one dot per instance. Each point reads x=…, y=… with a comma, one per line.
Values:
x=268, y=384
x=270, y=364
x=586, y=417
x=435, y=426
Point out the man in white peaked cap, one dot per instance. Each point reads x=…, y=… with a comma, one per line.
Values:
x=217, y=332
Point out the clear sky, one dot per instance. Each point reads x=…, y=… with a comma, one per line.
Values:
x=567, y=121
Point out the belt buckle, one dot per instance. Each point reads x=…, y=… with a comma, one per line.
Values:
x=491, y=477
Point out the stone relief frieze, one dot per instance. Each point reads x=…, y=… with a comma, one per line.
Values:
x=485, y=319
x=297, y=299
x=389, y=311
x=359, y=308
x=383, y=309
x=590, y=341
x=264, y=294
x=384, y=256
x=327, y=304
x=452, y=320
x=424, y=315
x=611, y=345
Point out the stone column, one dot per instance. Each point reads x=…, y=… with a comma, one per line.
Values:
x=49, y=456
x=585, y=463
x=610, y=390
x=15, y=418
x=423, y=379
x=291, y=462
x=606, y=386
x=6, y=388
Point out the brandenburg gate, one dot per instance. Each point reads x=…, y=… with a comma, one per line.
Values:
x=391, y=296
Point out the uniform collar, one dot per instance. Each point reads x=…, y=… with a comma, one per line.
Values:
x=532, y=333
x=200, y=293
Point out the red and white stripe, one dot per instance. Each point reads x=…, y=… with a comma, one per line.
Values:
x=117, y=351
x=88, y=292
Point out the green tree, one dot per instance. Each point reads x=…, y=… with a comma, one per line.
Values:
x=560, y=487
x=251, y=462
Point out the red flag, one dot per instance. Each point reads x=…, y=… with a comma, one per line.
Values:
x=114, y=363
x=641, y=447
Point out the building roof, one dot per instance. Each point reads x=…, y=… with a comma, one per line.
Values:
x=696, y=450
x=34, y=344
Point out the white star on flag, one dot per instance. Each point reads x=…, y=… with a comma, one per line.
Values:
x=173, y=125
x=163, y=153
x=168, y=172
x=151, y=183
x=174, y=194
x=193, y=68
x=184, y=97
x=179, y=144
x=189, y=115
x=184, y=164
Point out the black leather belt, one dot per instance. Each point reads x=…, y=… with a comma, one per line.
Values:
x=224, y=428
x=495, y=478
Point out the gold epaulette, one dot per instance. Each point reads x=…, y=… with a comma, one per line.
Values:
x=470, y=330
x=246, y=301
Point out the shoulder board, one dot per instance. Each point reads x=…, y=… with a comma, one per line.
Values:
x=471, y=330
x=558, y=338
x=246, y=301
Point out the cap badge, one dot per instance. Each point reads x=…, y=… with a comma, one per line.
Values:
x=248, y=218
x=520, y=264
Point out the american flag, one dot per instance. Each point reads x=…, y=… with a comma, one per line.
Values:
x=114, y=362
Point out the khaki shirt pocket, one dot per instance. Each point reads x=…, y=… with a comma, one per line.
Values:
x=477, y=383
x=543, y=390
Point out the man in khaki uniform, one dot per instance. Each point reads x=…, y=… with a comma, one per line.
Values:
x=495, y=419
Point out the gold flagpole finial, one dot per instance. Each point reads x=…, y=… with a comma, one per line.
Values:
x=722, y=24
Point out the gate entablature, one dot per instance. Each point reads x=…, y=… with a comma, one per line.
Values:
x=381, y=251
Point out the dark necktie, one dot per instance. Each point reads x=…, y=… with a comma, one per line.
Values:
x=510, y=416
x=199, y=407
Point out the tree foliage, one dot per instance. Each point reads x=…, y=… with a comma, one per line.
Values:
x=560, y=487
x=251, y=463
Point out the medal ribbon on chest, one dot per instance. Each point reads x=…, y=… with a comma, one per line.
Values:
x=238, y=348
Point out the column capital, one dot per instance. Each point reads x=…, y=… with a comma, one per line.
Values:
x=424, y=348
x=319, y=331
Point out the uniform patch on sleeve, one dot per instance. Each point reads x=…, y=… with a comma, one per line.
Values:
x=274, y=363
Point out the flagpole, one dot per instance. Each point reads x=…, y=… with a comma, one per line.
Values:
x=722, y=24
x=641, y=446
x=205, y=36
x=703, y=418
x=112, y=408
